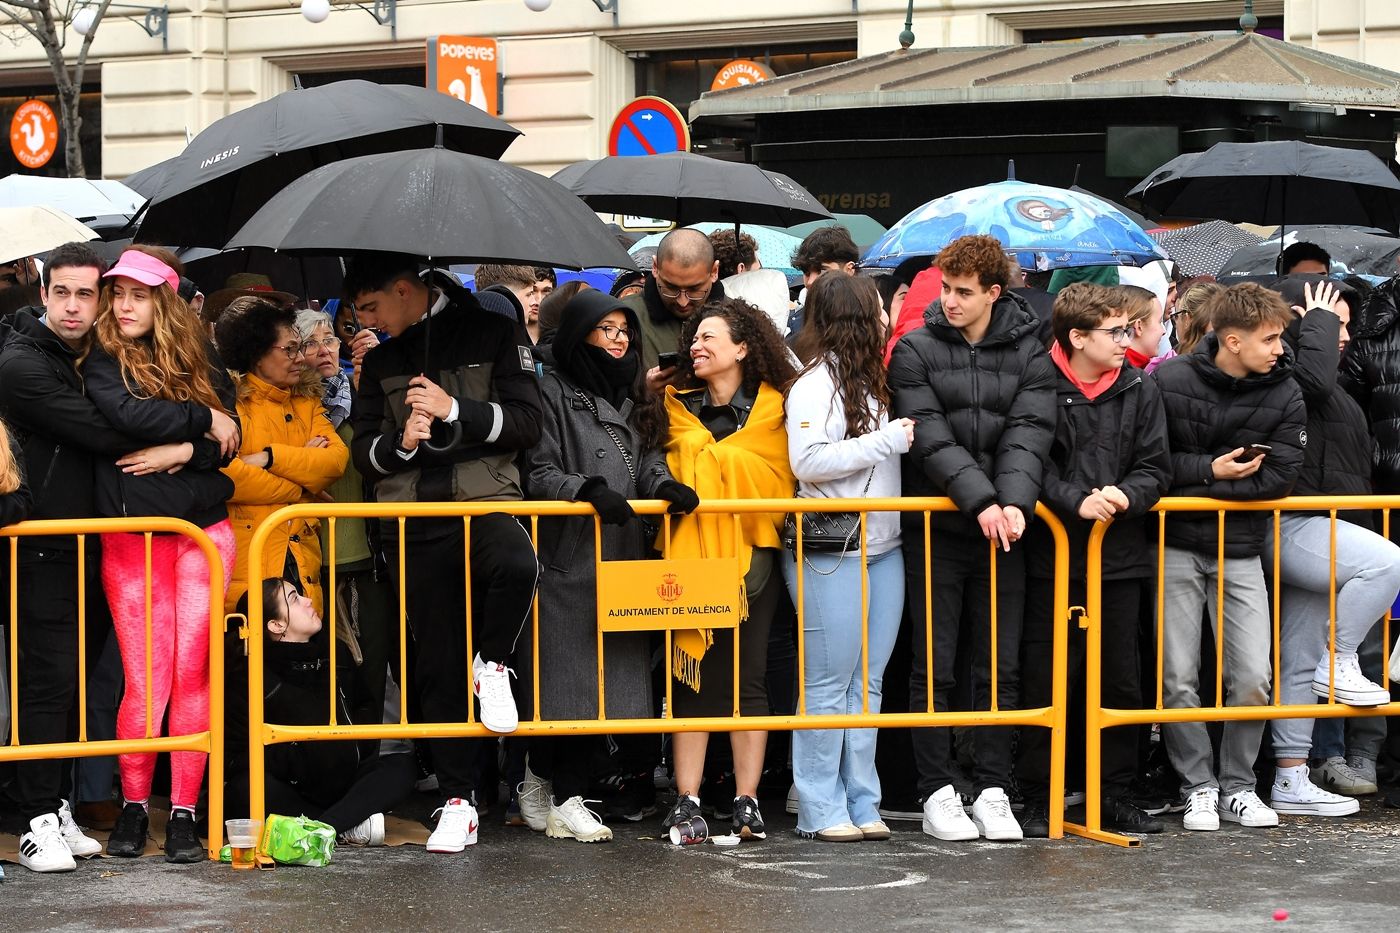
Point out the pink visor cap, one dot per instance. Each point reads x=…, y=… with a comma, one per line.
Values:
x=144, y=268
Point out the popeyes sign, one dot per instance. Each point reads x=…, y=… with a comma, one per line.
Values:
x=739, y=73
x=467, y=68
x=34, y=134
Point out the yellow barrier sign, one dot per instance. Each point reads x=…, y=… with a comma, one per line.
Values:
x=652, y=595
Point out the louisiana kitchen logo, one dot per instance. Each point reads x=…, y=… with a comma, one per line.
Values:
x=669, y=590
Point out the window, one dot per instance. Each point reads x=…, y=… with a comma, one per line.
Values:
x=682, y=76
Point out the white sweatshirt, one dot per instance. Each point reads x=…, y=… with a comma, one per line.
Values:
x=828, y=464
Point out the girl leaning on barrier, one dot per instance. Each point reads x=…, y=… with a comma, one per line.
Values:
x=601, y=447
x=843, y=445
x=151, y=375
x=726, y=440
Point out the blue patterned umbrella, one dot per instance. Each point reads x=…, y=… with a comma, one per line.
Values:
x=1044, y=227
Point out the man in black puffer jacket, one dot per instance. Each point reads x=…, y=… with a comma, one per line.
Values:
x=1234, y=392
x=980, y=390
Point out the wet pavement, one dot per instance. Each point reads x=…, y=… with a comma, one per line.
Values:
x=1328, y=874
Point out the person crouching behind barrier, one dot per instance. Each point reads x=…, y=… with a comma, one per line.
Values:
x=843, y=444
x=726, y=441
x=1237, y=430
x=597, y=447
x=1109, y=462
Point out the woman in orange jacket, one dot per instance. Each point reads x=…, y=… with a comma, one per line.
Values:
x=290, y=451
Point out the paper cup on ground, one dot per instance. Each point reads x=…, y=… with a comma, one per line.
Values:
x=692, y=832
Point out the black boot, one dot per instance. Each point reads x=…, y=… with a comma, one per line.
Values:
x=128, y=839
x=182, y=845
x=1119, y=813
x=1035, y=820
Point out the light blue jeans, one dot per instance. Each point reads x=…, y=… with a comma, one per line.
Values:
x=834, y=769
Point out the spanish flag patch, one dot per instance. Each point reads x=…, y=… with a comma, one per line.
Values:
x=804, y=424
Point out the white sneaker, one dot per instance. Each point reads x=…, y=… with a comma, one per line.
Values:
x=572, y=820
x=944, y=817
x=1294, y=792
x=1245, y=807
x=991, y=814
x=534, y=797
x=456, y=827
x=793, y=801
x=368, y=833
x=43, y=848
x=1338, y=775
x=80, y=844
x=1201, y=810
x=491, y=684
x=1350, y=686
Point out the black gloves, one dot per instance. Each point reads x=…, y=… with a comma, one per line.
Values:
x=612, y=506
x=681, y=497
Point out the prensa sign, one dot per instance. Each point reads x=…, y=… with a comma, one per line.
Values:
x=652, y=595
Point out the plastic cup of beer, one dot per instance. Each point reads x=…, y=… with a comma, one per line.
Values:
x=243, y=842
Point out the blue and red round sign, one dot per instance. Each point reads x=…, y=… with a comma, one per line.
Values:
x=647, y=126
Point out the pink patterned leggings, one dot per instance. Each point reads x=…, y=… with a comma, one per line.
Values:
x=179, y=648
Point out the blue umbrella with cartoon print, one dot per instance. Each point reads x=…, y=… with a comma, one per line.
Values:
x=1042, y=226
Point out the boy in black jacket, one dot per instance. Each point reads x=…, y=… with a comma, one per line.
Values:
x=980, y=390
x=1108, y=462
x=1237, y=431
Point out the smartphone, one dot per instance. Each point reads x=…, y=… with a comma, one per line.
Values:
x=667, y=360
x=1255, y=450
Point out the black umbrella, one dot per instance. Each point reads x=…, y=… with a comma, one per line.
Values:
x=689, y=189
x=1277, y=182
x=231, y=169
x=1356, y=252
x=148, y=181
x=1202, y=249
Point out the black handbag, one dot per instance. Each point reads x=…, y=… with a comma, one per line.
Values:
x=827, y=532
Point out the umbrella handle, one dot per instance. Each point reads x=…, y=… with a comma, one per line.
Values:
x=453, y=441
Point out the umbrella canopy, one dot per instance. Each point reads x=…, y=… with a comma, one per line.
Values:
x=690, y=188
x=1202, y=249
x=1045, y=227
x=148, y=181
x=775, y=247
x=231, y=169
x=81, y=198
x=28, y=231
x=437, y=204
x=863, y=228
x=1352, y=252
x=1275, y=183
x=1127, y=212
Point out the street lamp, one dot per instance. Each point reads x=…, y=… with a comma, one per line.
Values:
x=156, y=20
x=906, y=38
x=385, y=12
x=604, y=6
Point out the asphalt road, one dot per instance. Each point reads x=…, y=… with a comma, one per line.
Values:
x=1328, y=874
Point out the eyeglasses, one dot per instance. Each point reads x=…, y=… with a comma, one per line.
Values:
x=1123, y=335
x=1176, y=314
x=613, y=332
x=325, y=343
x=696, y=293
x=293, y=351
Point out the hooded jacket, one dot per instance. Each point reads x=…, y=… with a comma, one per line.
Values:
x=1210, y=413
x=1371, y=374
x=1118, y=438
x=60, y=431
x=984, y=415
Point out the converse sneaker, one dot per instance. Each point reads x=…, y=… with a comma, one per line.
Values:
x=534, y=797
x=1350, y=685
x=686, y=809
x=1338, y=775
x=128, y=839
x=182, y=845
x=43, y=848
x=573, y=820
x=747, y=821
x=491, y=684
x=1245, y=807
x=456, y=827
x=1294, y=792
x=1202, y=808
x=792, y=800
x=368, y=833
x=80, y=844
x=991, y=814
x=944, y=817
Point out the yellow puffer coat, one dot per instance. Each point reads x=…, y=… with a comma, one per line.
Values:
x=283, y=421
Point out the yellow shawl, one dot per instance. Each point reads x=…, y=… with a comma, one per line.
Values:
x=751, y=463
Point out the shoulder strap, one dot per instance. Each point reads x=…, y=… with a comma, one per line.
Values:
x=621, y=447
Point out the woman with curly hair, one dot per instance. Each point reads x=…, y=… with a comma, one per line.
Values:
x=726, y=440
x=843, y=445
x=290, y=451
x=151, y=376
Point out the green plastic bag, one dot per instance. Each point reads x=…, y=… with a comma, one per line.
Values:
x=297, y=840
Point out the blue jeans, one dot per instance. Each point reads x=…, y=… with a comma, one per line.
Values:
x=834, y=769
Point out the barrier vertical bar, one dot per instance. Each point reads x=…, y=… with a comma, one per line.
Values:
x=149, y=636
x=738, y=545
x=333, y=603
x=1161, y=600
x=801, y=617
x=467, y=602
x=597, y=575
x=1332, y=608
x=1059, y=659
x=993, y=654
x=82, y=638
x=217, y=690
x=257, y=758
x=1385, y=625
x=864, y=616
x=403, y=630
x=1220, y=610
x=1278, y=599
x=928, y=609
x=14, y=641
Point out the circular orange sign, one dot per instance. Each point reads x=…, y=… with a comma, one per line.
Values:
x=739, y=73
x=34, y=134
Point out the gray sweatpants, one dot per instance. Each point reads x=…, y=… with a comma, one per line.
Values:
x=1188, y=589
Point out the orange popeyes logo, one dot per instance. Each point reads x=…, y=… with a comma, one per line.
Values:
x=34, y=134
x=739, y=73
x=467, y=68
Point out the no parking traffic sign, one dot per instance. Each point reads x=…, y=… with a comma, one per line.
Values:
x=647, y=126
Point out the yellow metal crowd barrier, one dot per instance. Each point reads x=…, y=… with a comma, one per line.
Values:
x=262, y=734
x=1099, y=718
x=209, y=741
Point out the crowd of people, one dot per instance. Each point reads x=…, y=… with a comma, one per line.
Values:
x=128, y=393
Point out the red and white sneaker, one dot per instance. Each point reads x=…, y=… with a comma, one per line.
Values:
x=491, y=684
x=456, y=826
